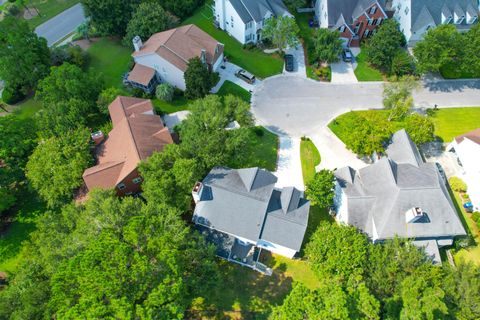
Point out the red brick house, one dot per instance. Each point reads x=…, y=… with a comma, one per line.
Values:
x=354, y=19
x=137, y=133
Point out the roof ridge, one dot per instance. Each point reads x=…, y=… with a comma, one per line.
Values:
x=114, y=163
x=239, y=192
x=133, y=138
x=284, y=217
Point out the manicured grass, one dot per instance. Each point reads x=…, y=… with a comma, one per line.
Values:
x=228, y=87
x=365, y=72
x=261, y=150
x=310, y=158
x=451, y=122
x=255, y=61
x=179, y=103
x=27, y=108
x=452, y=71
x=111, y=60
x=48, y=9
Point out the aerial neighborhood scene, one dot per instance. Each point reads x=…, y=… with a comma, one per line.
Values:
x=240, y=159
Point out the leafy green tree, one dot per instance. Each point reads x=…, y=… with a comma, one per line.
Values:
x=182, y=9
x=397, y=97
x=470, y=62
x=282, y=31
x=384, y=45
x=165, y=92
x=7, y=199
x=198, y=79
x=106, y=97
x=402, y=64
x=238, y=110
x=24, y=58
x=327, y=44
x=56, y=166
x=321, y=189
x=110, y=17
x=69, y=82
x=440, y=46
x=148, y=19
x=420, y=128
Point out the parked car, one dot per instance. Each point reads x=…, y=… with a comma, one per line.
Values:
x=289, y=62
x=347, y=55
x=245, y=76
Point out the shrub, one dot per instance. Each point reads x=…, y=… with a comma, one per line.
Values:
x=106, y=97
x=476, y=217
x=402, y=64
x=457, y=184
x=12, y=8
x=12, y=96
x=259, y=131
x=165, y=92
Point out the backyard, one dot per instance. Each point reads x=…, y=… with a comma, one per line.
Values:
x=365, y=72
x=253, y=60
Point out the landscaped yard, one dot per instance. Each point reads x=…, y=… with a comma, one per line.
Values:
x=255, y=61
x=48, y=9
x=365, y=72
x=228, y=87
x=310, y=158
x=261, y=150
x=451, y=122
x=452, y=71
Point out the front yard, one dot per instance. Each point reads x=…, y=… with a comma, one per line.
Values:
x=365, y=72
x=451, y=122
x=310, y=158
x=262, y=150
x=253, y=60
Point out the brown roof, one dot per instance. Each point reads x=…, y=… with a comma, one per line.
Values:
x=473, y=135
x=179, y=45
x=136, y=134
x=141, y=74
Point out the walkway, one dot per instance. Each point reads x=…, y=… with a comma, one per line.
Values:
x=61, y=25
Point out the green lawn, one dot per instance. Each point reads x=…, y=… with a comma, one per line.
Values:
x=27, y=108
x=228, y=87
x=261, y=150
x=179, y=103
x=111, y=60
x=310, y=158
x=255, y=61
x=451, y=122
x=452, y=71
x=365, y=72
x=48, y=9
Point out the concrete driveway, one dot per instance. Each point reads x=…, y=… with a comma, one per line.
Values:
x=229, y=74
x=289, y=166
x=343, y=72
x=61, y=25
x=300, y=69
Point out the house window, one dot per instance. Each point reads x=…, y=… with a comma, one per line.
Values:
x=137, y=180
x=357, y=27
x=379, y=21
x=366, y=33
x=342, y=29
x=373, y=10
x=370, y=22
x=407, y=10
x=121, y=186
x=231, y=20
x=375, y=22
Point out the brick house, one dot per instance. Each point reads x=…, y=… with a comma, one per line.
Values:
x=137, y=133
x=354, y=19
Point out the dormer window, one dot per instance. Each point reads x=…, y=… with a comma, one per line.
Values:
x=373, y=10
x=342, y=29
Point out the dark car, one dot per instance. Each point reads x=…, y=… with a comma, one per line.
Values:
x=347, y=55
x=245, y=76
x=289, y=62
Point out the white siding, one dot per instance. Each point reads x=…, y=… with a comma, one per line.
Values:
x=340, y=202
x=404, y=16
x=167, y=71
x=224, y=13
x=218, y=63
x=278, y=249
x=321, y=11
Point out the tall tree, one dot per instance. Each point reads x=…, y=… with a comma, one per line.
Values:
x=24, y=58
x=183, y=8
x=397, y=96
x=440, y=46
x=470, y=61
x=327, y=44
x=198, y=79
x=110, y=17
x=384, y=45
x=148, y=19
x=56, y=166
x=282, y=31
x=321, y=189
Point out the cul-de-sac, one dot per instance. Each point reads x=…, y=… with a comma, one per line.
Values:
x=240, y=159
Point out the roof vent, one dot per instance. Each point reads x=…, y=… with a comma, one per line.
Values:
x=97, y=137
x=197, y=192
x=413, y=215
x=137, y=43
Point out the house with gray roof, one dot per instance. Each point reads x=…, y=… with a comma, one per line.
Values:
x=399, y=195
x=417, y=16
x=244, y=19
x=354, y=19
x=242, y=213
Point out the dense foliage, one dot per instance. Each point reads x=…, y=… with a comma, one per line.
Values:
x=327, y=44
x=397, y=97
x=24, y=58
x=320, y=190
x=165, y=92
x=199, y=80
x=282, y=32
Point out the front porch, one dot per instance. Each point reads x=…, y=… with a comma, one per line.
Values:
x=235, y=250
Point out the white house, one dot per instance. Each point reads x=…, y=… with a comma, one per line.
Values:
x=467, y=149
x=166, y=54
x=242, y=213
x=243, y=19
x=417, y=16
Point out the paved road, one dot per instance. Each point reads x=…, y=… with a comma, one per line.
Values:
x=61, y=25
x=297, y=107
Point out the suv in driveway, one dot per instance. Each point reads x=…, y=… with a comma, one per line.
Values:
x=289, y=62
x=245, y=76
x=347, y=55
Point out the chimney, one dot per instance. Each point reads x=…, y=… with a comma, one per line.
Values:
x=137, y=43
x=97, y=137
x=203, y=56
x=413, y=215
x=197, y=192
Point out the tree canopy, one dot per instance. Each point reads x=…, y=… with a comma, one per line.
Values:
x=327, y=44
x=24, y=58
x=198, y=79
x=320, y=190
x=282, y=32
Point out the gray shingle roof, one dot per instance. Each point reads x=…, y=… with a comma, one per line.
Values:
x=250, y=10
x=345, y=11
x=379, y=195
x=245, y=203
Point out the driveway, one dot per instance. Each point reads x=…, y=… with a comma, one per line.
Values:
x=343, y=72
x=229, y=74
x=61, y=25
x=300, y=69
x=289, y=166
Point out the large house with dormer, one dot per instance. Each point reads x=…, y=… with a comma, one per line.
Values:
x=418, y=16
x=354, y=19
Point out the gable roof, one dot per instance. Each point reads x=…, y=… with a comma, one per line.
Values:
x=246, y=204
x=256, y=10
x=136, y=134
x=181, y=44
x=342, y=12
x=473, y=135
x=141, y=74
x=379, y=195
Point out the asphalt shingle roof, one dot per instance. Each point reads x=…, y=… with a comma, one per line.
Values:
x=256, y=10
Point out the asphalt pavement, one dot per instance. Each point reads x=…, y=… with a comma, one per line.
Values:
x=61, y=25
